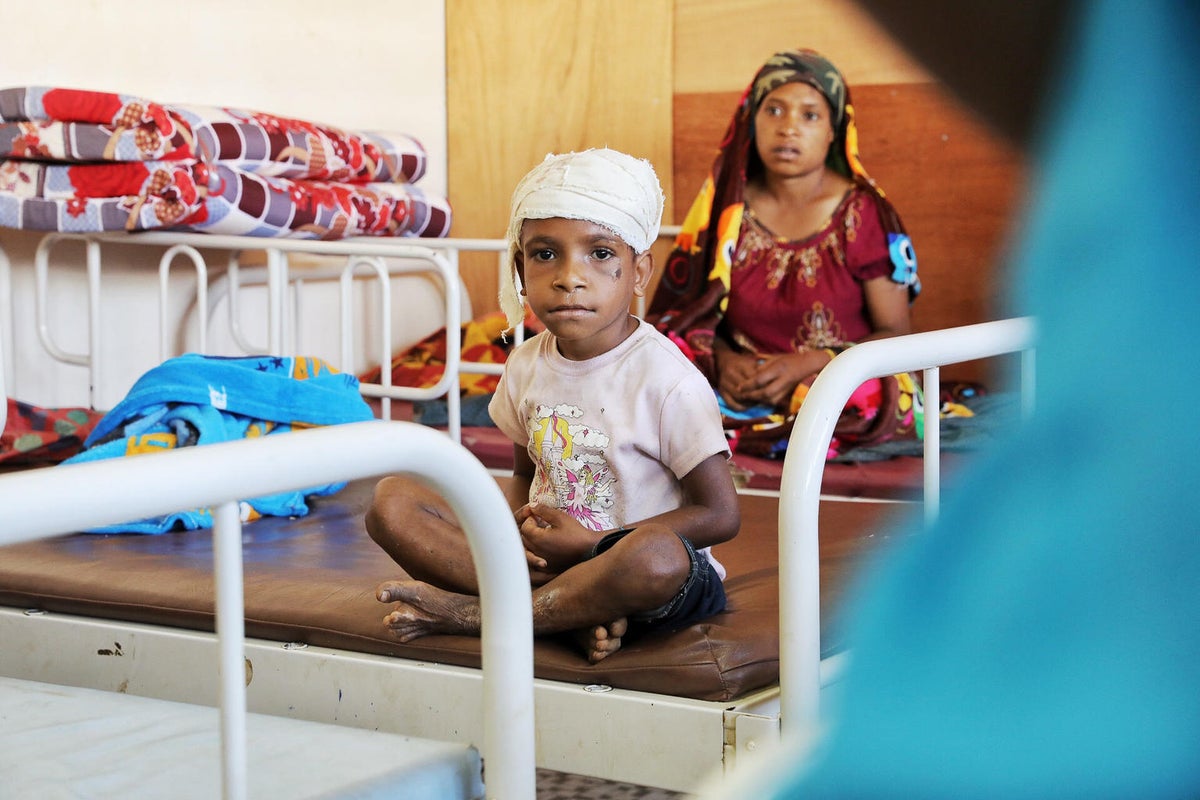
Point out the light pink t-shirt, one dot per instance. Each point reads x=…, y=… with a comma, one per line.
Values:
x=610, y=437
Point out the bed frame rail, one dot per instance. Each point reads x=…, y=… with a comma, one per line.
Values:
x=114, y=491
x=382, y=257
x=804, y=464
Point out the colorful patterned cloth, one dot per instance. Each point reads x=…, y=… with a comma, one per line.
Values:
x=35, y=436
x=78, y=126
x=88, y=162
x=483, y=340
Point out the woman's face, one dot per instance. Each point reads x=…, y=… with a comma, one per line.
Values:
x=793, y=129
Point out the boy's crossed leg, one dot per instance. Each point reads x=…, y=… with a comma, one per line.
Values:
x=642, y=571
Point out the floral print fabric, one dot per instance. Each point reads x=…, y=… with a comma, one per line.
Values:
x=82, y=161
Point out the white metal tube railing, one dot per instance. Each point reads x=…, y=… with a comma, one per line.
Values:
x=277, y=272
x=116, y=490
x=41, y=265
x=415, y=260
x=346, y=281
x=411, y=258
x=803, y=468
x=164, y=274
x=932, y=448
x=231, y=641
x=277, y=283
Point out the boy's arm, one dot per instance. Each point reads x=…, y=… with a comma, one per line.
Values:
x=709, y=514
x=516, y=491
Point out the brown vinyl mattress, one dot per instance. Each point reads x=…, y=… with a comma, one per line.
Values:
x=312, y=580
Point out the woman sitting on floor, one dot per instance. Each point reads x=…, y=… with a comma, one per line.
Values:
x=790, y=253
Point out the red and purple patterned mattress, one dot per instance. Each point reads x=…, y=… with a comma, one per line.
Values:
x=84, y=161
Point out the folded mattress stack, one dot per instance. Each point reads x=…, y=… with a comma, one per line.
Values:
x=86, y=161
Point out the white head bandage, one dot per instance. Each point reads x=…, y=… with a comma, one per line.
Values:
x=604, y=186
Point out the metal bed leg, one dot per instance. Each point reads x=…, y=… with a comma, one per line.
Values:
x=933, y=444
x=231, y=630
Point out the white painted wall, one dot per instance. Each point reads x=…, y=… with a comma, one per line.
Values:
x=368, y=65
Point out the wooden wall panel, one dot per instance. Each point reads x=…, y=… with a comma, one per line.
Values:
x=530, y=77
x=956, y=186
x=720, y=44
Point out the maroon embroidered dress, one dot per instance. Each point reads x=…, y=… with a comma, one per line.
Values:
x=788, y=296
x=791, y=295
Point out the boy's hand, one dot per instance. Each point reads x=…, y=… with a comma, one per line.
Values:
x=538, y=573
x=554, y=540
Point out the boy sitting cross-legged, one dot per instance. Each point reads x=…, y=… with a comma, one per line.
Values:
x=620, y=482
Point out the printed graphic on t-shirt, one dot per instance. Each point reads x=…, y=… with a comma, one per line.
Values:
x=572, y=471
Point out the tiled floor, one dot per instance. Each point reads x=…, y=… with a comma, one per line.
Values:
x=563, y=786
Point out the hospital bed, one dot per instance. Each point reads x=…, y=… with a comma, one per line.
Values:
x=664, y=712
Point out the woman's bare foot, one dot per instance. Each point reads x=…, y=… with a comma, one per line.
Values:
x=424, y=609
x=601, y=641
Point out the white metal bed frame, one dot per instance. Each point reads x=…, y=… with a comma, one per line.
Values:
x=381, y=256
x=404, y=256
x=217, y=475
x=800, y=484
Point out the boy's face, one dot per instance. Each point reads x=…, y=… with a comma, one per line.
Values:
x=579, y=278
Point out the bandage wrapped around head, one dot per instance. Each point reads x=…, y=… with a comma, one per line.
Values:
x=603, y=186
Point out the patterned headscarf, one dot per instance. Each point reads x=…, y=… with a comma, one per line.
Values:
x=806, y=66
x=694, y=288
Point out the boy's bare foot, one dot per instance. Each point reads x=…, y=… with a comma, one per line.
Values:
x=601, y=641
x=425, y=609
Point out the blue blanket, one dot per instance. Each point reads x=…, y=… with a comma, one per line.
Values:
x=194, y=400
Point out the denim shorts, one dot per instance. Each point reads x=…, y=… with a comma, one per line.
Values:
x=702, y=594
